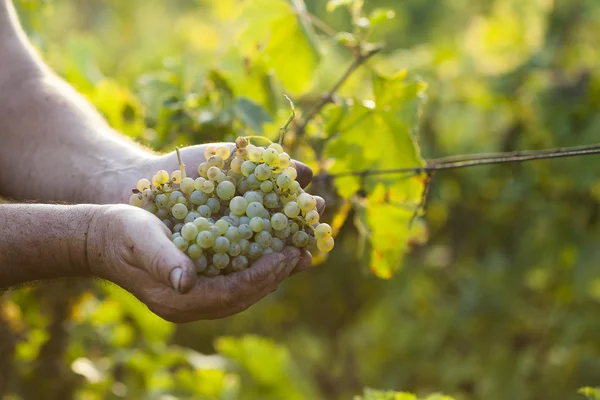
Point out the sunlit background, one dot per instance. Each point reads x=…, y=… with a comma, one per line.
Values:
x=501, y=302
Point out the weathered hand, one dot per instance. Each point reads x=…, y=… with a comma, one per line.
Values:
x=132, y=248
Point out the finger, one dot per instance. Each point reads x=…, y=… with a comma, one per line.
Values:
x=320, y=204
x=304, y=262
x=157, y=255
x=305, y=174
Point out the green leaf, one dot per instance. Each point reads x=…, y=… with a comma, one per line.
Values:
x=251, y=114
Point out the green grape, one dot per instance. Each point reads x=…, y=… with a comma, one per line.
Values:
x=283, y=181
x=247, y=168
x=255, y=251
x=279, y=221
x=182, y=200
x=189, y=231
x=212, y=173
x=300, y=239
x=284, y=160
x=231, y=179
x=255, y=209
x=136, y=200
x=151, y=208
x=323, y=231
x=234, y=249
x=215, y=161
x=238, y=205
x=283, y=234
x=176, y=177
x=312, y=217
x=162, y=213
x=211, y=271
x=174, y=196
x=277, y=244
x=155, y=182
x=257, y=224
x=210, y=151
x=179, y=211
x=215, y=231
x=291, y=209
x=147, y=195
x=202, y=169
x=223, y=152
x=267, y=227
x=214, y=205
x=253, y=182
x=293, y=227
x=264, y=239
x=202, y=224
x=277, y=147
x=162, y=177
x=245, y=231
x=262, y=172
x=194, y=251
x=236, y=165
x=234, y=220
x=253, y=196
x=204, y=211
x=295, y=187
x=142, y=184
x=198, y=197
x=200, y=263
x=306, y=202
x=177, y=227
x=244, y=246
x=208, y=187
x=242, y=186
x=222, y=225
x=244, y=220
x=205, y=239
x=187, y=185
x=161, y=200
x=239, y=263
x=220, y=260
x=221, y=244
x=290, y=172
x=242, y=153
x=181, y=243
x=168, y=223
x=241, y=142
x=220, y=177
x=266, y=186
x=175, y=235
x=269, y=156
x=325, y=245
x=198, y=183
x=254, y=153
x=271, y=200
x=226, y=190
x=233, y=234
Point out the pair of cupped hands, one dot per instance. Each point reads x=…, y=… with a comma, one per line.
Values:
x=132, y=248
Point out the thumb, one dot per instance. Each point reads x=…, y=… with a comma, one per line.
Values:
x=159, y=257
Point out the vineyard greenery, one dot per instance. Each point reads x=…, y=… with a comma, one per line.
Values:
x=480, y=283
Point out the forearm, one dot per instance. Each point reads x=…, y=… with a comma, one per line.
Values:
x=54, y=144
x=40, y=241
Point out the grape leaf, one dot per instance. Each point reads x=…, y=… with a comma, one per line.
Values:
x=251, y=114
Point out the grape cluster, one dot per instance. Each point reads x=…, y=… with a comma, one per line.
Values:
x=241, y=206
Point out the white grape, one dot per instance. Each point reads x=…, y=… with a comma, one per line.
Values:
x=210, y=151
x=220, y=260
x=253, y=182
x=194, y=251
x=290, y=172
x=222, y=225
x=162, y=213
x=214, y=231
x=271, y=200
x=236, y=165
x=255, y=209
x=202, y=223
x=181, y=243
x=323, y=231
x=215, y=161
x=300, y=239
x=238, y=205
x=266, y=186
x=252, y=196
x=291, y=209
x=223, y=152
x=189, y=231
x=247, y=168
x=226, y=190
x=234, y=249
x=257, y=224
x=279, y=221
x=208, y=187
x=143, y=184
x=255, y=251
x=179, y=211
x=245, y=231
x=204, y=211
x=136, y=200
x=312, y=217
x=262, y=172
x=205, y=239
x=283, y=181
x=161, y=200
x=284, y=160
x=162, y=177
x=254, y=153
x=244, y=245
x=198, y=183
x=263, y=239
x=201, y=263
x=277, y=147
x=174, y=196
x=306, y=202
x=176, y=177
x=269, y=156
x=277, y=244
x=221, y=244
x=325, y=245
x=187, y=185
x=214, y=205
x=233, y=234
x=198, y=197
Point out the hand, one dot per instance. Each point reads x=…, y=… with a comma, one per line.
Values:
x=132, y=248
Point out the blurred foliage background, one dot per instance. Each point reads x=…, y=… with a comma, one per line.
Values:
x=500, y=302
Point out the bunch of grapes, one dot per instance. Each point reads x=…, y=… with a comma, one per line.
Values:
x=242, y=205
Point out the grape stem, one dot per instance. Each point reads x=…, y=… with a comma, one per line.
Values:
x=183, y=176
x=284, y=128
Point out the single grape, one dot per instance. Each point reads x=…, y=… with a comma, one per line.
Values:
x=271, y=200
x=136, y=200
x=255, y=209
x=277, y=244
x=236, y=165
x=202, y=169
x=194, y=251
x=283, y=181
x=168, y=223
x=266, y=186
x=244, y=220
x=162, y=177
x=226, y=190
x=155, y=182
x=212, y=173
x=293, y=227
x=202, y=224
x=215, y=231
x=312, y=217
x=220, y=177
x=291, y=209
x=162, y=213
x=211, y=271
x=161, y=200
x=283, y=234
x=179, y=211
x=245, y=231
x=221, y=244
x=189, y=231
x=264, y=239
x=242, y=186
x=220, y=260
x=234, y=219
x=269, y=156
x=176, y=177
x=181, y=243
x=290, y=172
x=239, y=263
x=222, y=225
x=231, y=179
x=306, y=202
x=277, y=147
x=326, y=244
x=241, y=142
x=198, y=183
x=147, y=195
x=242, y=153
x=238, y=205
x=295, y=188
x=200, y=263
x=151, y=208
x=205, y=239
x=279, y=221
x=210, y=151
x=177, y=227
x=182, y=200
x=284, y=160
x=223, y=152
x=234, y=249
x=255, y=251
x=204, y=211
x=247, y=168
x=214, y=205
x=262, y=172
x=300, y=239
x=142, y=184
x=252, y=196
x=187, y=185
x=198, y=197
x=323, y=231
x=253, y=182
x=254, y=153
x=175, y=235
x=244, y=246
x=233, y=234
x=174, y=196
x=257, y=224
x=215, y=161
x=208, y=187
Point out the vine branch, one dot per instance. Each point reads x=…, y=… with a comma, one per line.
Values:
x=473, y=160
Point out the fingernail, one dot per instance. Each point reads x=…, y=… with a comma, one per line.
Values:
x=175, y=278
